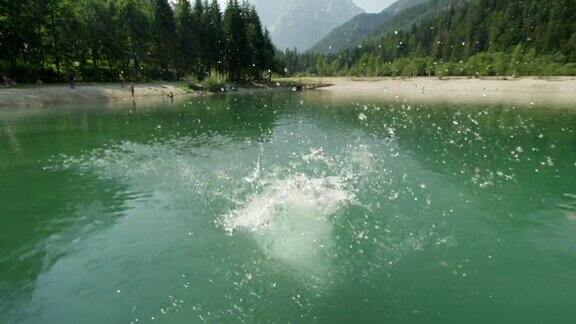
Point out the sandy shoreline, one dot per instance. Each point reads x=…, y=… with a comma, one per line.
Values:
x=42, y=95
x=520, y=91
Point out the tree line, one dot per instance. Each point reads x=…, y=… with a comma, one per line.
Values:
x=473, y=38
x=108, y=40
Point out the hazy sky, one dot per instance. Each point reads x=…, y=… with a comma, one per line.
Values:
x=373, y=5
x=368, y=5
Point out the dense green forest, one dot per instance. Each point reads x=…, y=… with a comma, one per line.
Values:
x=109, y=40
x=459, y=37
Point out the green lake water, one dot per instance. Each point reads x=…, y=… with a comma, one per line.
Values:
x=281, y=207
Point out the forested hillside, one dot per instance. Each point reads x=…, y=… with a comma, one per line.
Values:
x=108, y=40
x=482, y=37
x=361, y=26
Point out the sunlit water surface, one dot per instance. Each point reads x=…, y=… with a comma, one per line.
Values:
x=288, y=208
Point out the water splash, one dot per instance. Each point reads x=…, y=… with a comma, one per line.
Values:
x=290, y=220
x=287, y=202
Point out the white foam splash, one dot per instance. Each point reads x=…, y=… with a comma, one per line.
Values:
x=290, y=220
x=303, y=196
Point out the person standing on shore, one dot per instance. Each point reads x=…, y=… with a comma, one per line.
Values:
x=132, y=89
x=72, y=81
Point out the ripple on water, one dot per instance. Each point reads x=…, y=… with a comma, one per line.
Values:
x=318, y=214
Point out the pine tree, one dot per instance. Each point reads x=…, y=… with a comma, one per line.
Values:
x=269, y=55
x=256, y=43
x=215, y=37
x=187, y=41
x=164, y=29
x=136, y=26
x=201, y=28
x=235, y=34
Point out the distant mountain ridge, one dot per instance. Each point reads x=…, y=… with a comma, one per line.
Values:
x=352, y=32
x=302, y=23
